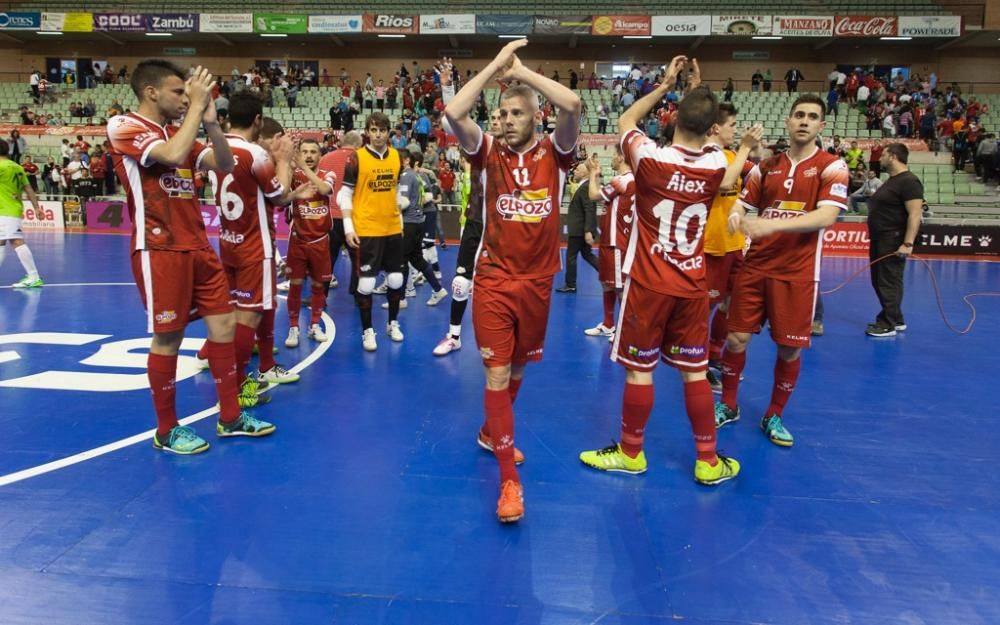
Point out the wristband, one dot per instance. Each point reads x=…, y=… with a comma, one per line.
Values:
x=348, y=226
x=907, y=244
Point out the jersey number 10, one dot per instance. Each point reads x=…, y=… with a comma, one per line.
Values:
x=678, y=237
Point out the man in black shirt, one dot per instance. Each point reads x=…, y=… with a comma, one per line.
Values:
x=894, y=213
x=581, y=226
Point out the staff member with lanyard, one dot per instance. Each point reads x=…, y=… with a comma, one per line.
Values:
x=894, y=213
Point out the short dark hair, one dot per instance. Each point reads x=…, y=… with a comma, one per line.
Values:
x=270, y=128
x=698, y=111
x=308, y=140
x=726, y=110
x=416, y=157
x=809, y=98
x=378, y=120
x=4, y=148
x=899, y=151
x=150, y=73
x=244, y=107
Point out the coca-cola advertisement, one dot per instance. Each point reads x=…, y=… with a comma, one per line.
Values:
x=865, y=26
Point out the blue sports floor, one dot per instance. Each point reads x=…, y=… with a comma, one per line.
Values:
x=372, y=504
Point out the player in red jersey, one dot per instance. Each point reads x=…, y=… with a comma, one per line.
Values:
x=177, y=272
x=308, y=244
x=616, y=229
x=246, y=198
x=796, y=194
x=336, y=161
x=665, y=302
x=519, y=253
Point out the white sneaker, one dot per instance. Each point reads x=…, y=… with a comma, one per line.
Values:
x=392, y=329
x=448, y=345
x=381, y=289
x=316, y=333
x=277, y=375
x=293, y=338
x=437, y=274
x=411, y=292
x=611, y=337
x=368, y=340
x=202, y=363
x=599, y=330
x=333, y=283
x=438, y=297
x=402, y=304
x=284, y=286
x=419, y=279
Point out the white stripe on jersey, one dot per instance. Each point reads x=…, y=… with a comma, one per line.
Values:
x=134, y=190
x=147, y=287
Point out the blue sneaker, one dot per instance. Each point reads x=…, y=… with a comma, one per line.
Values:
x=245, y=425
x=775, y=431
x=181, y=440
x=723, y=415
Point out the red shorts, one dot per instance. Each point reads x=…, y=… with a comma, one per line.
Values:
x=653, y=326
x=510, y=318
x=178, y=287
x=609, y=267
x=312, y=259
x=788, y=307
x=252, y=285
x=721, y=272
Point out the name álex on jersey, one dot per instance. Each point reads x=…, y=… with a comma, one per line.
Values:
x=664, y=245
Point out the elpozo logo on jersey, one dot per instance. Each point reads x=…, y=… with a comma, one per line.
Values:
x=532, y=207
x=179, y=183
x=313, y=210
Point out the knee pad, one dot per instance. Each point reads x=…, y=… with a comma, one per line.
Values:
x=394, y=280
x=366, y=285
x=431, y=254
x=460, y=288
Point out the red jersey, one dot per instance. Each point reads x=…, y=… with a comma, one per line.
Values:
x=447, y=179
x=674, y=188
x=98, y=167
x=521, y=200
x=311, y=216
x=246, y=226
x=780, y=189
x=619, y=211
x=335, y=162
x=165, y=212
x=83, y=146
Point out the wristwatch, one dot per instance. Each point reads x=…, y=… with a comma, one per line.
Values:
x=907, y=244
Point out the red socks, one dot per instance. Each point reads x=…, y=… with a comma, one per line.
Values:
x=609, y=308
x=294, y=304
x=243, y=347
x=222, y=362
x=637, y=404
x=701, y=413
x=500, y=417
x=786, y=374
x=265, y=341
x=317, y=304
x=732, y=367
x=512, y=388
x=162, y=374
x=717, y=334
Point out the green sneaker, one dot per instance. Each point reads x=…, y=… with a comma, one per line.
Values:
x=28, y=283
x=181, y=440
x=245, y=425
x=256, y=349
x=249, y=397
x=724, y=415
x=613, y=459
x=775, y=430
x=725, y=469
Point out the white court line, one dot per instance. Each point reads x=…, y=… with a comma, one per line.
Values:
x=55, y=465
x=49, y=286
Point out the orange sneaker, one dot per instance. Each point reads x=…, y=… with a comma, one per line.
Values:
x=510, y=506
x=487, y=443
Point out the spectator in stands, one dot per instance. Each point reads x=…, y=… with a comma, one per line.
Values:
x=985, y=156
x=928, y=121
x=73, y=170
x=855, y=156
x=222, y=105
x=18, y=146
x=31, y=170
x=864, y=93
x=75, y=109
x=33, y=83
x=98, y=168
x=888, y=124
x=832, y=99
x=574, y=79
x=792, y=79
x=390, y=95
x=768, y=79
x=292, y=94
x=960, y=149
x=870, y=186
x=875, y=158
x=602, y=117
x=380, y=96
x=906, y=121
x=727, y=91
x=755, y=79
x=86, y=187
x=49, y=172
x=837, y=147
